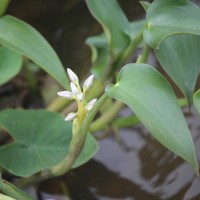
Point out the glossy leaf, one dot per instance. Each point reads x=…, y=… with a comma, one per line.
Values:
x=89, y=150
x=152, y=99
x=169, y=17
x=24, y=39
x=100, y=53
x=10, y=64
x=196, y=100
x=114, y=22
x=40, y=140
x=179, y=56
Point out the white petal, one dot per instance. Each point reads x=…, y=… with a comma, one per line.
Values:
x=88, y=83
x=66, y=94
x=80, y=96
x=74, y=88
x=71, y=116
x=73, y=77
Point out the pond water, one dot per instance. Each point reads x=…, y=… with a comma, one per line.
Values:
x=134, y=167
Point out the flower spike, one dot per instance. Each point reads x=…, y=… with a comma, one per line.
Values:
x=78, y=94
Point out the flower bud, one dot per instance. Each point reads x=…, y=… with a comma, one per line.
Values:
x=74, y=88
x=90, y=105
x=71, y=116
x=73, y=77
x=88, y=83
x=66, y=94
x=80, y=96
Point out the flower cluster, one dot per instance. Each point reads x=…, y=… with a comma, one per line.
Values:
x=78, y=94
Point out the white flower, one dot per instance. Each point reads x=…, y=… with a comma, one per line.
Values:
x=73, y=77
x=66, y=94
x=90, y=105
x=74, y=88
x=71, y=116
x=80, y=96
x=88, y=83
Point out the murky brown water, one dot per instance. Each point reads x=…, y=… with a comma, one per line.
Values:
x=136, y=168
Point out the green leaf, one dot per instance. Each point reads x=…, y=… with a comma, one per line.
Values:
x=179, y=56
x=40, y=140
x=24, y=39
x=196, y=100
x=89, y=150
x=100, y=53
x=145, y=5
x=10, y=64
x=152, y=99
x=169, y=17
x=114, y=22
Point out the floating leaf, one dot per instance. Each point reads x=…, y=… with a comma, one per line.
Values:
x=24, y=39
x=179, y=56
x=89, y=150
x=40, y=140
x=114, y=22
x=169, y=17
x=150, y=96
x=10, y=64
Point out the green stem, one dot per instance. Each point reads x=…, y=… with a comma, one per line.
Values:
x=13, y=191
x=29, y=76
x=126, y=121
x=107, y=117
x=145, y=54
x=128, y=52
x=78, y=141
x=3, y=6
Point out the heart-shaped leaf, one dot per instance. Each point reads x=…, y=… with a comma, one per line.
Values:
x=41, y=140
x=89, y=150
x=150, y=96
x=114, y=22
x=169, y=17
x=24, y=39
x=179, y=56
x=10, y=64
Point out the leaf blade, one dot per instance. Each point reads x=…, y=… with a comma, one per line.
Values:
x=150, y=96
x=24, y=39
x=165, y=18
x=179, y=56
x=41, y=140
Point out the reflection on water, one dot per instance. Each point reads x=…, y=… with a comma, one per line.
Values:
x=137, y=168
